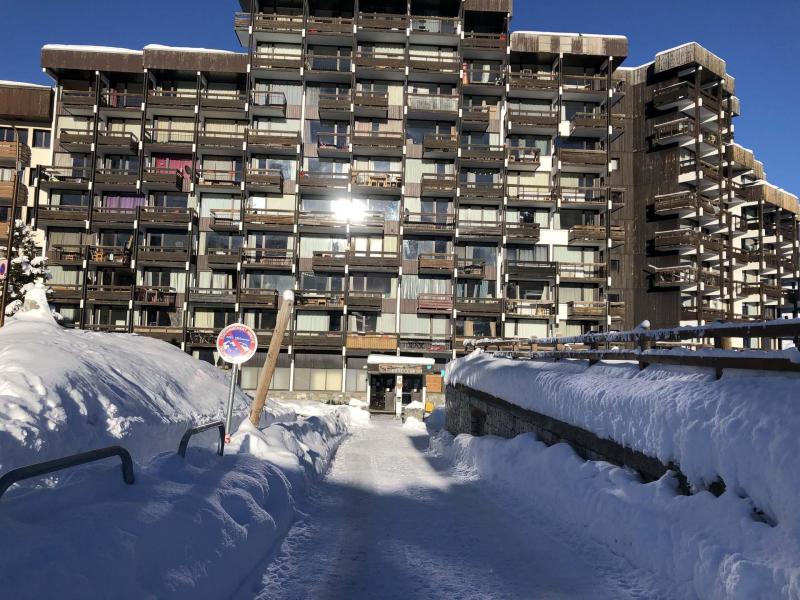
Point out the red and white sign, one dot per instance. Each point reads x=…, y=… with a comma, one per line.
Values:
x=3, y=268
x=237, y=343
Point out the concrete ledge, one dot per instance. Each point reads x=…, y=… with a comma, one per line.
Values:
x=477, y=413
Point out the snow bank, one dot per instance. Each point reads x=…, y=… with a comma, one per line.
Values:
x=711, y=548
x=187, y=528
x=64, y=391
x=744, y=428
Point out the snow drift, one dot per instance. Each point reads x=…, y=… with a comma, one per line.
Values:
x=744, y=428
x=64, y=391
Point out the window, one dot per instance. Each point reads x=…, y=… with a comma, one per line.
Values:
x=41, y=138
x=7, y=135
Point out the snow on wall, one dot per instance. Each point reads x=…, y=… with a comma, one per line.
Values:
x=64, y=391
x=710, y=548
x=744, y=427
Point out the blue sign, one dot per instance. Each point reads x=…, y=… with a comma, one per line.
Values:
x=237, y=343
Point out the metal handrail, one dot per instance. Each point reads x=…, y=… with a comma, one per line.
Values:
x=59, y=464
x=199, y=429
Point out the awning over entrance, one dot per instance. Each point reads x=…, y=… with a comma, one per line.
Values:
x=401, y=365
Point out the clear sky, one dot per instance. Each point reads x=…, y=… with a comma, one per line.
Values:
x=759, y=41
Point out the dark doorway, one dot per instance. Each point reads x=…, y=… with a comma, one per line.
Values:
x=412, y=388
x=381, y=393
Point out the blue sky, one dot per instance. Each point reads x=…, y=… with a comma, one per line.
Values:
x=758, y=40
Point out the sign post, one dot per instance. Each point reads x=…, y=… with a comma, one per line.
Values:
x=236, y=345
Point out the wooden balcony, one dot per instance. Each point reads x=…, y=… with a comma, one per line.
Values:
x=373, y=261
x=329, y=25
x=435, y=304
x=476, y=117
x=166, y=333
x=7, y=189
x=329, y=261
x=371, y=341
x=212, y=296
x=479, y=228
x=479, y=192
x=595, y=233
x=78, y=100
x=385, y=143
x=333, y=340
x=335, y=105
x=768, y=291
x=445, y=63
x=521, y=158
x=278, y=142
x=532, y=309
x=381, y=61
x=435, y=27
x=223, y=259
x=321, y=221
x=322, y=181
x=162, y=255
x=484, y=79
x=436, y=264
x=155, y=296
x=258, y=297
x=202, y=337
x=440, y=145
x=111, y=177
x=228, y=179
x=117, y=142
x=12, y=153
x=523, y=232
x=412, y=342
x=109, y=256
x=277, y=62
x=225, y=220
x=268, y=259
x=479, y=306
x=471, y=268
x=108, y=294
x=319, y=300
x=62, y=214
x=223, y=101
x=109, y=217
x=588, y=197
x=76, y=140
x=485, y=41
x=528, y=80
x=364, y=301
x=531, y=195
x=59, y=254
x=705, y=313
x=168, y=139
x=66, y=292
x=371, y=103
x=183, y=101
x=530, y=270
x=532, y=119
x=588, y=272
x=162, y=216
x=584, y=84
x=269, y=219
x=592, y=311
x=163, y=178
x=209, y=141
x=482, y=154
x=65, y=177
x=382, y=22
x=107, y=327
x=429, y=223
x=674, y=131
x=670, y=95
x=443, y=106
x=582, y=158
x=683, y=202
x=434, y=185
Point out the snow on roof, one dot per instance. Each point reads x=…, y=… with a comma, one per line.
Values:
x=23, y=84
x=187, y=49
x=564, y=34
x=677, y=47
x=82, y=48
x=642, y=66
x=383, y=359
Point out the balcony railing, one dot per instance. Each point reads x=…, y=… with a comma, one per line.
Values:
x=433, y=103
x=268, y=258
x=264, y=298
x=163, y=135
x=371, y=341
x=361, y=300
x=12, y=152
x=219, y=100
x=162, y=254
x=534, y=194
x=592, y=310
x=435, y=303
x=155, y=295
x=276, y=140
x=172, y=178
x=530, y=308
x=686, y=200
x=334, y=101
x=377, y=179
x=440, y=262
x=62, y=254
x=584, y=83
x=382, y=21
x=324, y=180
x=221, y=139
x=492, y=76
x=379, y=60
x=371, y=99
x=413, y=342
x=332, y=141
x=528, y=80
x=484, y=152
x=65, y=175
x=596, y=233
x=109, y=255
x=317, y=24
x=286, y=61
x=434, y=25
x=165, y=215
x=108, y=293
x=212, y=295
x=328, y=63
x=582, y=271
x=112, y=176
x=473, y=268
x=485, y=41
x=527, y=231
x=319, y=299
x=318, y=339
x=172, y=99
x=479, y=306
x=578, y=156
x=666, y=132
x=530, y=269
x=327, y=260
x=364, y=140
x=269, y=217
x=433, y=184
x=519, y=157
x=440, y=142
x=72, y=99
x=442, y=63
x=373, y=259
x=479, y=227
x=429, y=221
x=219, y=177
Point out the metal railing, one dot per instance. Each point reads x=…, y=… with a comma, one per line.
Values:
x=59, y=464
x=199, y=429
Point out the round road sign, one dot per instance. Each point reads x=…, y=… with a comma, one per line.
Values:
x=237, y=343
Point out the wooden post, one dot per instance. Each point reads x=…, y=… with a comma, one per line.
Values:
x=268, y=370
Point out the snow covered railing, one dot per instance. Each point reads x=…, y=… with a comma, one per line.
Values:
x=219, y=425
x=59, y=464
x=587, y=347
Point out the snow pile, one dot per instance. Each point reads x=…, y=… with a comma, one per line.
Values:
x=743, y=428
x=187, y=528
x=64, y=391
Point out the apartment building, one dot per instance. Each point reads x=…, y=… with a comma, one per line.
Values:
x=415, y=172
x=26, y=114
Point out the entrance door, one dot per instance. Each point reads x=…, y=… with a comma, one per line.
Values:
x=412, y=388
x=381, y=392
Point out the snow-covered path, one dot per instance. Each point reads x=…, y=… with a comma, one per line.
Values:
x=391, y=521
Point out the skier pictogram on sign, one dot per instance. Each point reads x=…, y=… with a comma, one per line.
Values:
x=237, y=343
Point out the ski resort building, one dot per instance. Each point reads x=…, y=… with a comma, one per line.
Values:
x=418, y=174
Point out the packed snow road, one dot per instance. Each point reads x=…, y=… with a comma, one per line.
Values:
x=392, y=521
